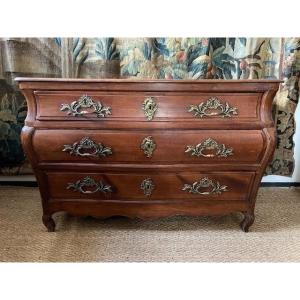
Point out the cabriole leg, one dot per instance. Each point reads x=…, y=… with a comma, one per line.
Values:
x=49, y=223
x=247, y=221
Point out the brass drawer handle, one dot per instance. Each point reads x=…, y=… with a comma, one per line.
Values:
x=87, y=147
x=88, y=182
x=83, y=102
x=209, y=144
x=149, y=107
x=148, y=146
x=147, y=186
x=213, y=107
x=204, y=183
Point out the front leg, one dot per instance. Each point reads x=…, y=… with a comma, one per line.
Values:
x=247, y=221
x=49, y=223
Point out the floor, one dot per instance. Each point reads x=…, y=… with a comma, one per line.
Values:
x=274, y=237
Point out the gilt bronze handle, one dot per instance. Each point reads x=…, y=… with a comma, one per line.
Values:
x=87, y=147
x=204, y=183
x=76, y=108
x=88, y=182
x=207, y=145
x=149, y=107
x=213, y=107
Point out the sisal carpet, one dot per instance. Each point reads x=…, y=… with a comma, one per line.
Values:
x=274, y=237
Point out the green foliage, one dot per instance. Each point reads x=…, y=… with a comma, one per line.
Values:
x=79, y=54
x=106, y=49
x=197, y=68
x=12, y=118
x=224, y=63
x=160, y=47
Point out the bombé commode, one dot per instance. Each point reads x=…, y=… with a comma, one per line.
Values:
x=148, y=148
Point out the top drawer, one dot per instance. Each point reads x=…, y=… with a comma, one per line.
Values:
x=145, y=107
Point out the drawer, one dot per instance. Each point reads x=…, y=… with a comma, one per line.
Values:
x=150, y=186
x=156, y=146
x=154, y=107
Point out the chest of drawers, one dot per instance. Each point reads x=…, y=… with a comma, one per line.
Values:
x=148, y=149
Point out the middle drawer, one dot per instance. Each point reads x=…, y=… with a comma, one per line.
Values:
x=194, y=146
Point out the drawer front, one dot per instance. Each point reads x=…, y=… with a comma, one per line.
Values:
x=189, y=146
x=150, y=186
x=70, y=105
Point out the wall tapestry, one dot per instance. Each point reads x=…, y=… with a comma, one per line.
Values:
x=142, y=58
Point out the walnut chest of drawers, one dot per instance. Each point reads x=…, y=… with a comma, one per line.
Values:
x=148, y=148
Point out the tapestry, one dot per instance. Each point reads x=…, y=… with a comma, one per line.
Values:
x=148, y=58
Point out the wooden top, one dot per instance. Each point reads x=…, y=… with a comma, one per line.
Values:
x=157, y=85
x=33, y=79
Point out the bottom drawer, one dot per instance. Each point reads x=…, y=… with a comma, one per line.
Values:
x=147, y=186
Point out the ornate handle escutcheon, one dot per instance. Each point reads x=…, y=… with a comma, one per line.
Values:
x=83, y=186
x=205, y=183
x=147, y=186
x=149, y=108
x=148, y=146
x=207, y=145
x=76, y=108
x=87, y=147
x=213, y=107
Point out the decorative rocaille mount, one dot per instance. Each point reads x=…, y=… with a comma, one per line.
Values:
x=147, y=186
x=76, y=108
x=208, y=145
x=88, y=182
x=149, y=108
x=204, y=183
x=213, y=107
x=87, y=147
x=148, y=146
